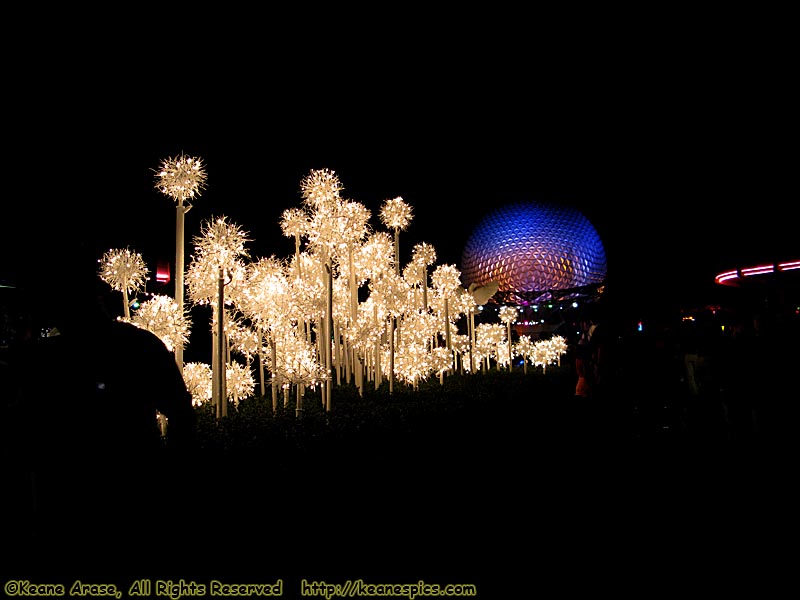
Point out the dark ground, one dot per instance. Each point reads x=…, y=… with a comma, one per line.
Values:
x=521, y=494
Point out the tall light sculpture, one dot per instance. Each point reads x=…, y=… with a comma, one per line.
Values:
x=423, y=255
x=446, y=280
x=480, y=295
x=266, y=301
x=508, y=314
x=321, y=192
x=162, y=316
x=354, y=219
x=124, y=270
x=375, y=258
x=524, y=348
x=396, y=215
x=182, y=178
x=217, y=263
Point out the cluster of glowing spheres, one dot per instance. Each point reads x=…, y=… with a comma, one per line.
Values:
x=531, y=249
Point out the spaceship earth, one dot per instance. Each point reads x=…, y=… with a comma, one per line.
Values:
x=532, y=249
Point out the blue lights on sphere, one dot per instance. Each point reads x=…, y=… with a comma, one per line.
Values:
x=532, y=249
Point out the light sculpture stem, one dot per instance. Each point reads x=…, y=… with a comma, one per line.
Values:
x=181, y=211
x=472, y=340
x=391, y=354
x=274, y=355
x=328, y=331
x=509, y=346
x=219, y=376
x=126, y=303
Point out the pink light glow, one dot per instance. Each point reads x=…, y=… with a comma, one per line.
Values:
x=758, y=270
x=788, y=266
x=731, y=277
x=162, y=272
x=722, y=277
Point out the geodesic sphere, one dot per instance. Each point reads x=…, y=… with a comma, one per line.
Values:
x=532, y=247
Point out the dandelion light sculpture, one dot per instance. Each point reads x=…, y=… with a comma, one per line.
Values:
x=462, y=305
x=162, y=316
x=354, y=221
x=391, y=295
x=327, y=228
x=266, y=302
x=488, y=338
x=125, y=271
x=549, y=351
x=294, y=224
x=508, y=314
x=182, y=178
x=541, y=354
x=524, y=348
x=423, y=255
x=296, y=365
x=240, y=382
x=446, y=280
x=319, y=187
x=480, y=295
x=396, y=215
x=216, y=263
x=461, y=346
x=558, y=344
x=197, y=377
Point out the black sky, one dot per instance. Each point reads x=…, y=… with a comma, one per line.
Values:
x=677, y=149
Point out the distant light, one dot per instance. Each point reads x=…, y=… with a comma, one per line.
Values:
x=731, y=277
x=639, y=326
x=727, y=276
x=574, y=305
x=758, y=270
x=789, y=266
x=162, y=272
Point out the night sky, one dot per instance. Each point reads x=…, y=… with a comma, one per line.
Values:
x=672, y=129
x=676, y=153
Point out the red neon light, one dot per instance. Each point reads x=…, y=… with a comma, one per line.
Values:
x=162, y=272
x=731, y=277
x=723, y=277
x=757, y=270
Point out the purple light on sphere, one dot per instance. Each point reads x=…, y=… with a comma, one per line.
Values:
x=533, y=249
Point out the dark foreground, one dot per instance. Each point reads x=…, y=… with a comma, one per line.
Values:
x=511, y=485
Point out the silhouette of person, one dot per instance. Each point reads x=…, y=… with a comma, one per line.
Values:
x=583, y=370
x=88, y=390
